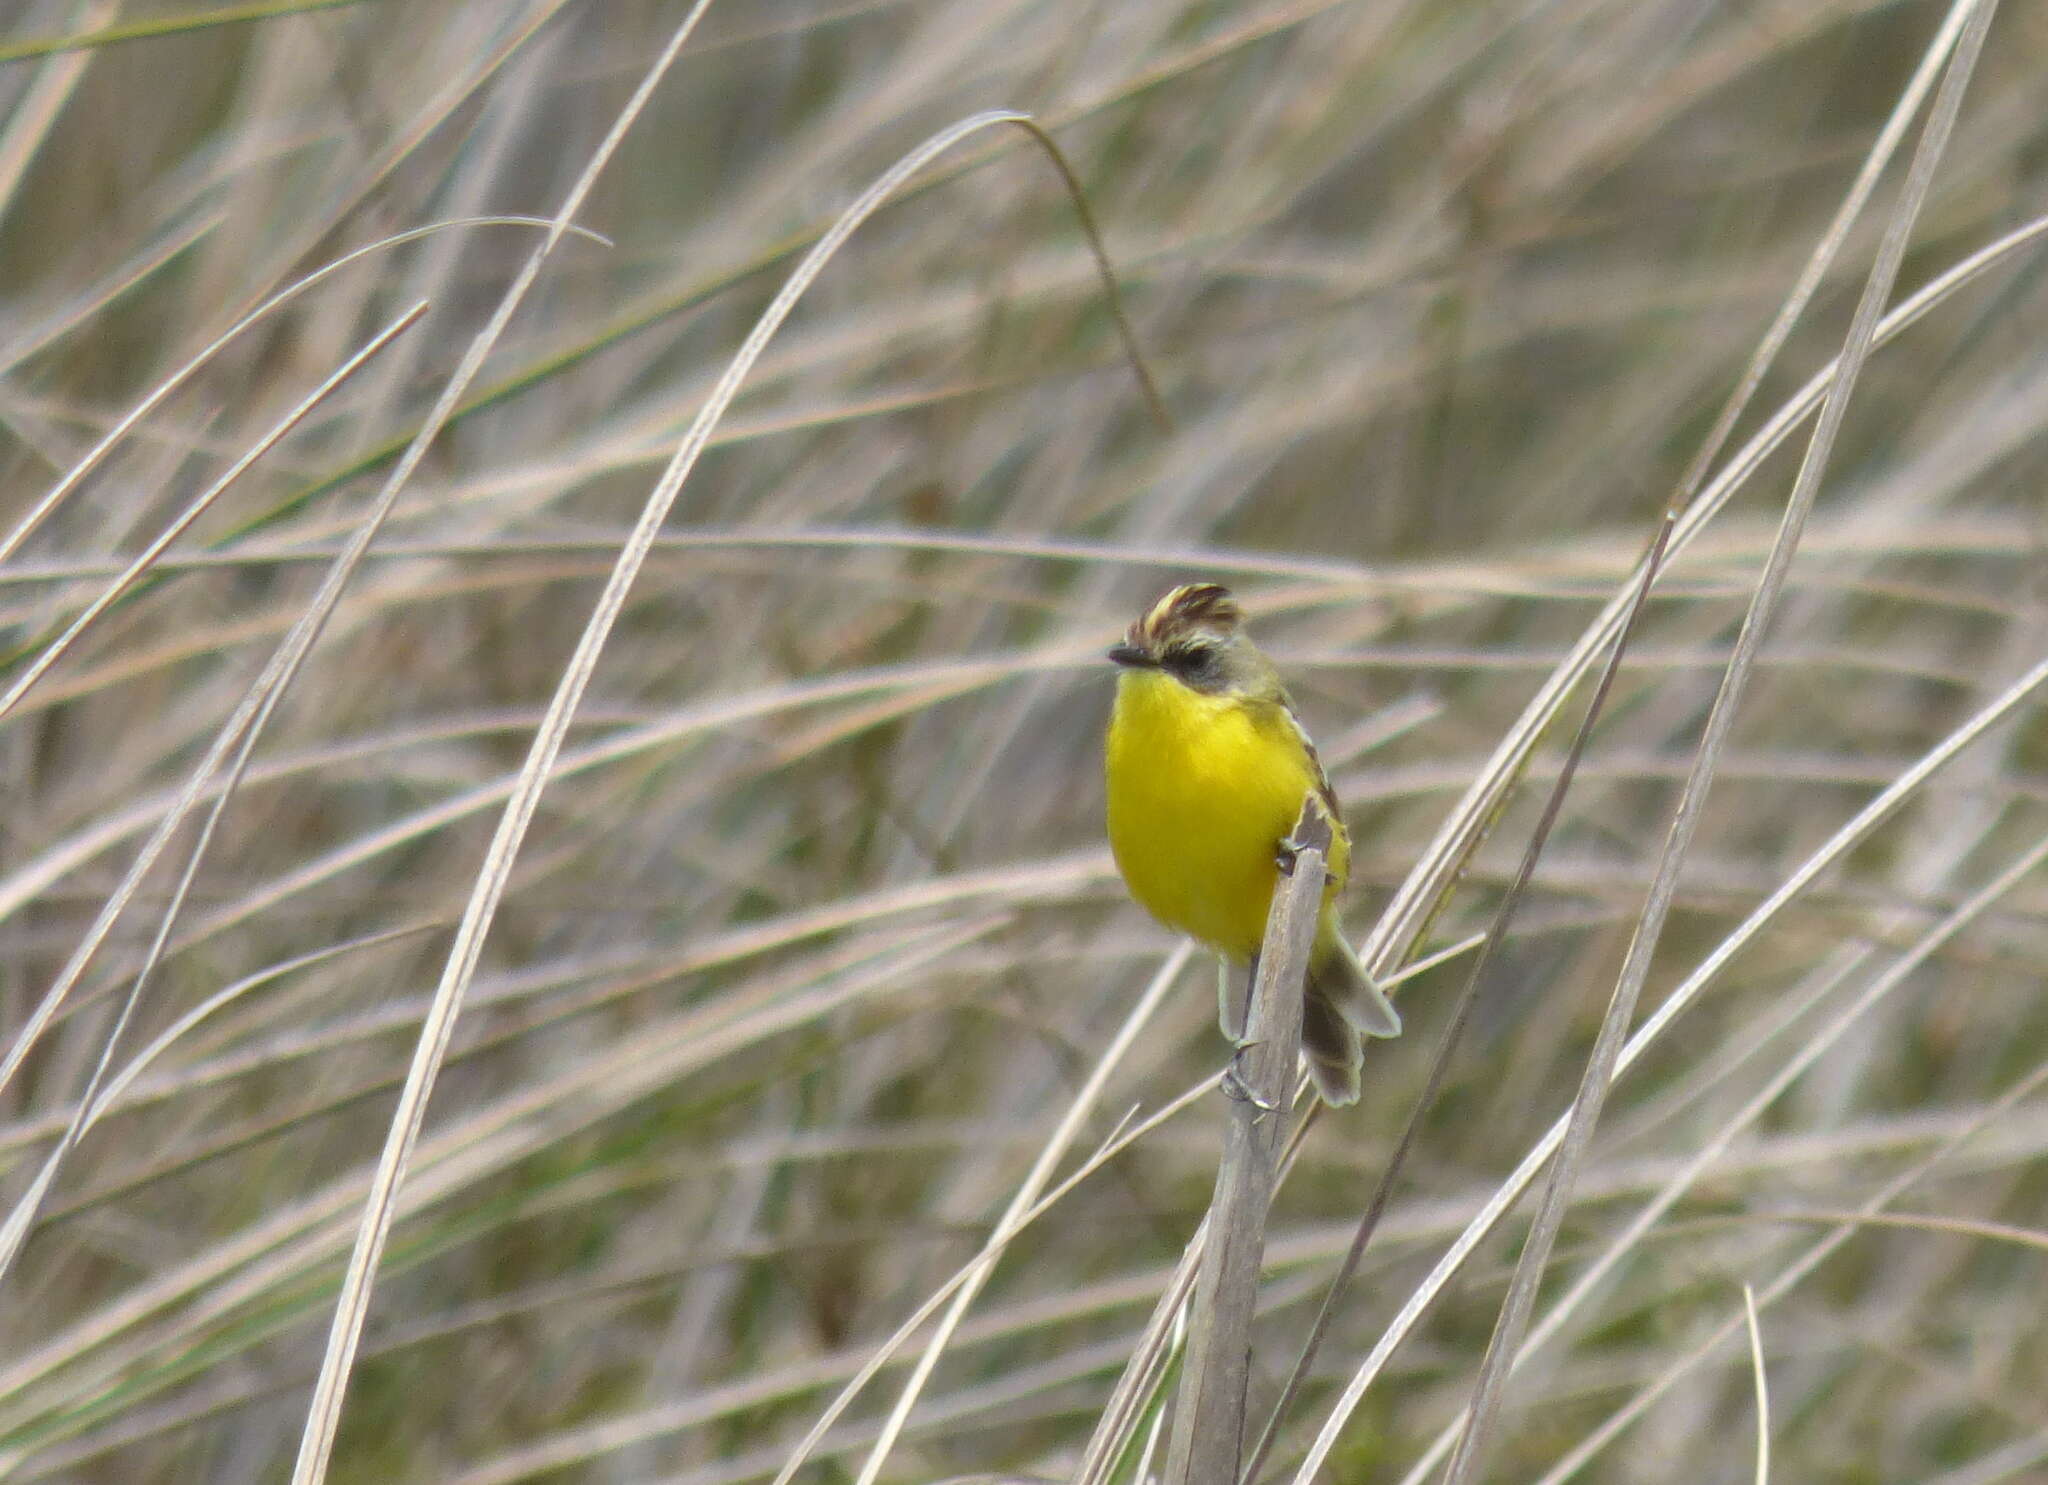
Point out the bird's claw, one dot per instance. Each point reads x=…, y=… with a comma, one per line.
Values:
x=1234, y=1085
x=1288, y=852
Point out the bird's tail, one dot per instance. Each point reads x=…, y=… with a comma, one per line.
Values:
x=1343, y=1004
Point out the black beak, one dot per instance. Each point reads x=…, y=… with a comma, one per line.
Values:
x=1132, y=655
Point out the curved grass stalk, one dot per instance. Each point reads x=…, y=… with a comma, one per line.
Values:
x=353, y=1303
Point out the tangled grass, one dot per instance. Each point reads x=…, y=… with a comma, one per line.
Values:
x=797, y=976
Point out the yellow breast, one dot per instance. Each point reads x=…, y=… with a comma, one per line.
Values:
x=1202, y=790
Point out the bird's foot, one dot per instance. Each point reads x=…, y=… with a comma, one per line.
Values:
x=1234, y=1085
x=1288, y=852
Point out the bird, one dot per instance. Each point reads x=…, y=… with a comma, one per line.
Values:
x=1207, y=767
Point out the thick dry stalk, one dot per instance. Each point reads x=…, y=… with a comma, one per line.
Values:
x=1208, y=1426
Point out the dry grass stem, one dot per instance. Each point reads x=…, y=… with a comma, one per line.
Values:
x=1208, y=1438
x=552, y=879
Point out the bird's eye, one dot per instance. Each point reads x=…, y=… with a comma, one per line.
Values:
x=1189, y=659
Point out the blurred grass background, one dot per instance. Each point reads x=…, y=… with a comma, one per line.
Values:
x=816, y=934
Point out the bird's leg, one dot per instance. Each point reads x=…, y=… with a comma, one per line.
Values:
x=1230, y=1016
x=1233, y=1018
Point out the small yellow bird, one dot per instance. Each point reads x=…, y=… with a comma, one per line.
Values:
x=1207, y=767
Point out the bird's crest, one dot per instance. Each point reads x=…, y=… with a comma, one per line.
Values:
x=1189, y=609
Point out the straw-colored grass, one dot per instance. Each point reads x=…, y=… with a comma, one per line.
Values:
x=473, y=700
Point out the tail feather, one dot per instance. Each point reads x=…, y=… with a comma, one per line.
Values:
x=1356, y=994
x=1343, y=1004
x=1335, y=1057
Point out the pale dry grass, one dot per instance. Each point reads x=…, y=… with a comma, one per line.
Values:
x=812, y=944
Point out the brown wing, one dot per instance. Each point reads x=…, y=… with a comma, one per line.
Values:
x=1315, y=761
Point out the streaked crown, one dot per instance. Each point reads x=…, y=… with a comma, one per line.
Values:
x=1189, y=610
